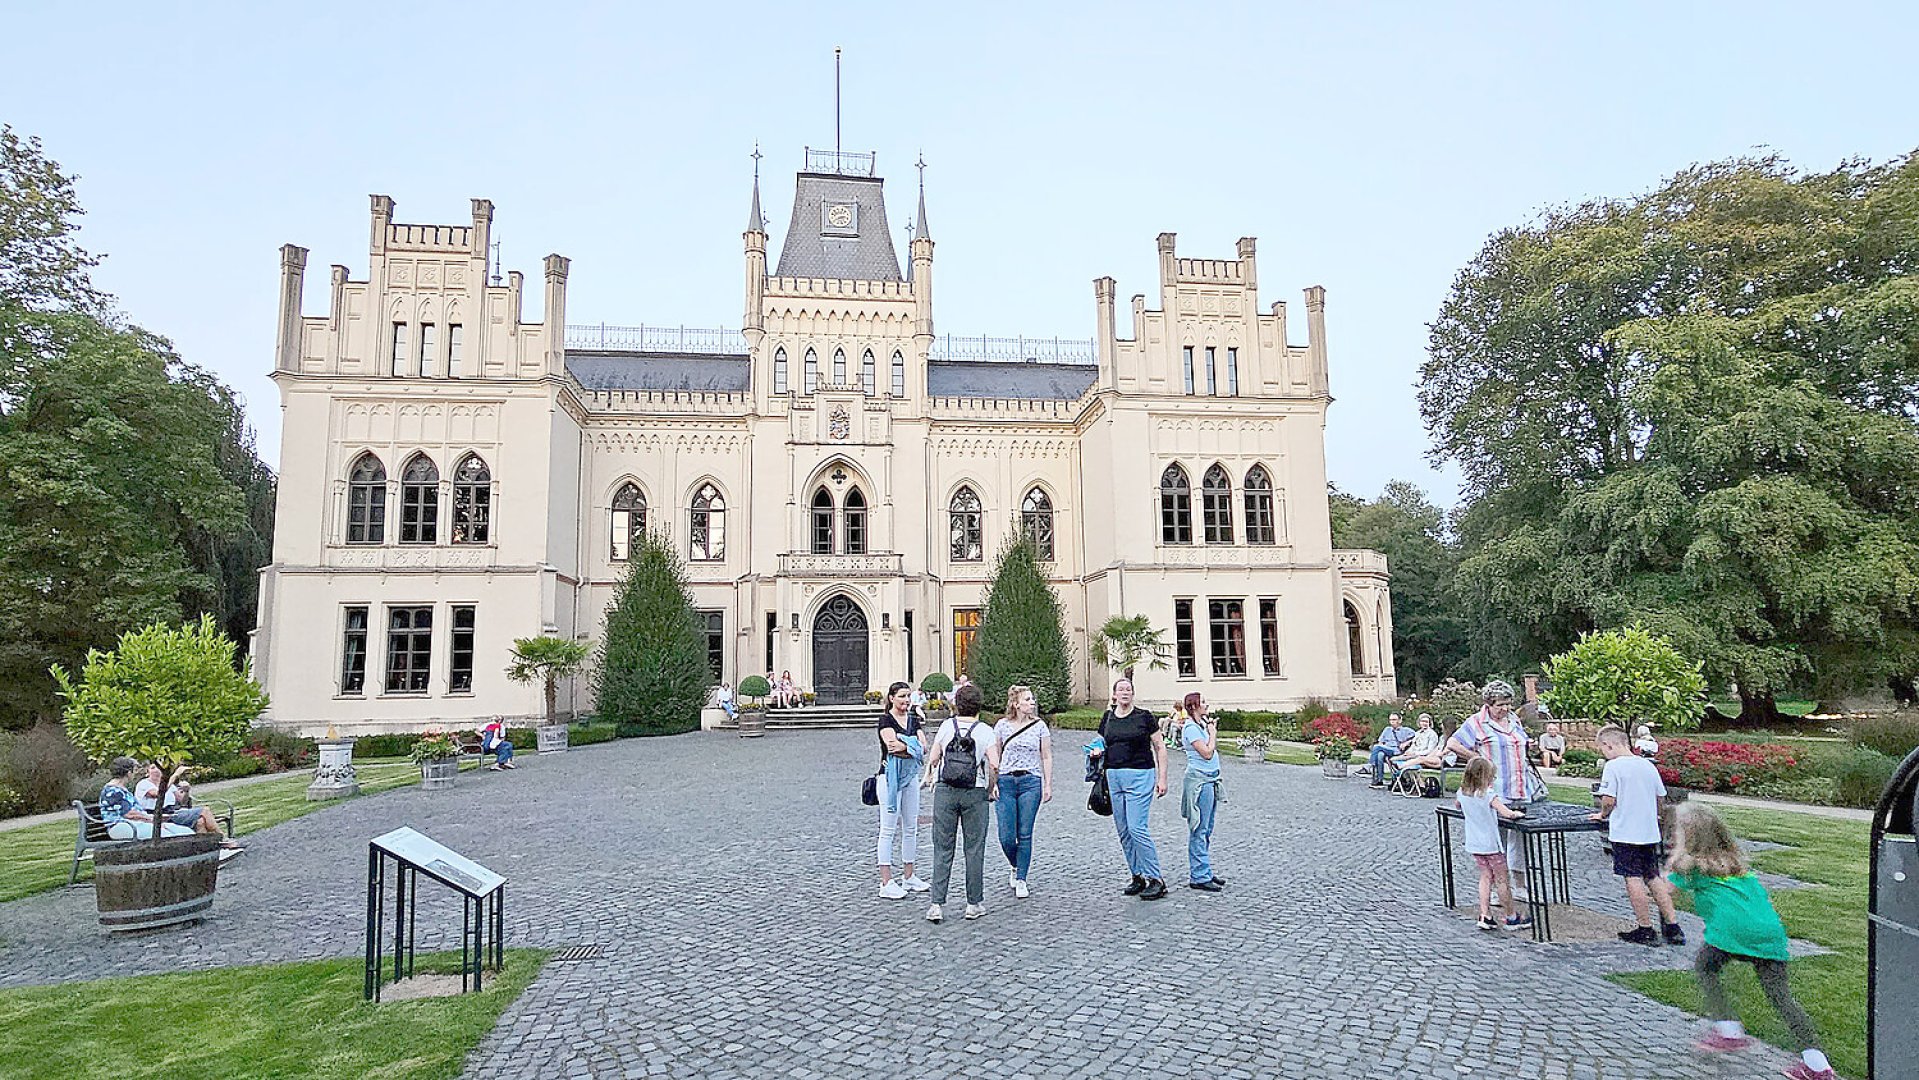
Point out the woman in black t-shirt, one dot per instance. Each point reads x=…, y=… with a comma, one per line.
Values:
x=900, y=755
x=1135, y=760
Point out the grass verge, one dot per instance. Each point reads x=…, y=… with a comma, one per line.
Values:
x=304, y=1019
x=35, y=859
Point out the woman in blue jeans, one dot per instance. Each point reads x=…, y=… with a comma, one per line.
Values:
x=1135, y=759
x=1199, y=799
x=1025, y=780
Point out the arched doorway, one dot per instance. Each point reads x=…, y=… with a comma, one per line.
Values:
x=839, y=653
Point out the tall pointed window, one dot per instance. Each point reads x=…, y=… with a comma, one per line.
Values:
x=869, y=374
x=1212, y=371
x=779, y=370
x=1216, y=505
x=706, y=537
x=822, y=520
x=1175, y=507
x=899, y=375
x=855, y=523
x=1355, y=639
x=1259, y=507
x=420, y=501
x=963, y=516
x=1188, y=368
x=839, y=367
x=472, y=501
x=1232, y=371
x=400, y=356
x=427, y=345
x=366, y=501
x=1036, y=522
x=812, y=372
x=455, y=343
x=628, y=521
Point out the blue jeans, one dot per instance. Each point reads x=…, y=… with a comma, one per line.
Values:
x=1018, y=808
x=1132, y=791
x=1378, y=758
x=1199, y=842
x=502, y=752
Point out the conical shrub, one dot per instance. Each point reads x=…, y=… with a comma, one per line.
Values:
x=1022, y=637
x=652, y=677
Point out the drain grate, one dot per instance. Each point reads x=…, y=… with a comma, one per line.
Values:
x=577, y=952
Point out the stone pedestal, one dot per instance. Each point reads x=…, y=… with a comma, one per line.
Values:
x=335, y=778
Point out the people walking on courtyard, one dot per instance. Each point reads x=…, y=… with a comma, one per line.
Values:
x=1496, y=734
x=1200, y=795
x=1629, y=793
x=1481, y=810
x=1393, y=740
x=963, y=769
x=900, y=755
x=1740, y=925
x=1025, y=779
x=1135, y=760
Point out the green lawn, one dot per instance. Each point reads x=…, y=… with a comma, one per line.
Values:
x=36, y=859
x=304, y=1019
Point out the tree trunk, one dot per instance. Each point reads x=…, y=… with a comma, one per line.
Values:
x=1128, y=673
x=1757, y=709
x=552, y=698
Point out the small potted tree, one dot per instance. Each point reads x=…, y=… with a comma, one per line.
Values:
x=171, y=695
x=547, y=660
x=438, y=756
x=1334, y=736
x=936, y=686
x=1253, y=744
x=753, y=716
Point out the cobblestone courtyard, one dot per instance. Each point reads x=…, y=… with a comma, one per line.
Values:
x=730, y=882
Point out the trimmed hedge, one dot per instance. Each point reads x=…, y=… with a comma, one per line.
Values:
x=1896, y=734
x=1863, y=777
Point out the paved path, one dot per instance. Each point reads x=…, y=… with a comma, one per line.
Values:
x=731, y=884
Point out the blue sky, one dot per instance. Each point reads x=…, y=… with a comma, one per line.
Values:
x=1370, y=147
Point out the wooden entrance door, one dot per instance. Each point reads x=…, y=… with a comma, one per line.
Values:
x=839, y=653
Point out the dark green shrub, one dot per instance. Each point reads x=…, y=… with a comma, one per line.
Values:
x=1375, y=713
x=1580, y=762
x=38, y=767
x=1311, y=711
x=1073, y=721
x=652, y=677
x=1022, y=636
x=754, y=688
x=1864, y=776
x=232, y=768
x=588, y=734
x=938, y=682
x=384, y=746
x=1816, y=790
x=278, y=750
x=1896, y=734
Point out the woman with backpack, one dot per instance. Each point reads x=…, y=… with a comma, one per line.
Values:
x=1025, y=780
x=963, y=769
x=900, y=756
x=1135, y=763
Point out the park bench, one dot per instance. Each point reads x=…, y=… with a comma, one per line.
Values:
x=93, y=832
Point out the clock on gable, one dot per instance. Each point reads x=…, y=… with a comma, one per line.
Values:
x=840, y=219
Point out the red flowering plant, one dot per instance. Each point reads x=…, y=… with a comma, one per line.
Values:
x=1723, y=766
x=1336, y=725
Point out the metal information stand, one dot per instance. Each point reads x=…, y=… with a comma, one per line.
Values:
x=1892, y=928
x=483, y=901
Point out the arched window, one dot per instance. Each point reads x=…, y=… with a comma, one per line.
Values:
x=628, y=520
x=812, y=372
x=899, y=375
x=1036, y=522
x=963, y=514
x=1355, y=638
x=472, y=501
x=869, y=376
x=706, y=537
x=366, y=501
x=1175, y=507
x=1216, y=505
x=822, y=531
x=839, y=367
x=855, y=523
x=779, y=370
x=1259, y=507
x=420, y=501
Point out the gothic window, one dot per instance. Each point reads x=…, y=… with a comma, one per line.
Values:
x=1189, y=369
x=399, y=348
x=899, y=375
x=472, y=501
x=963, y=514
x=366, y=501
x=1259, y=506
x=839, y=367
x=1175, y=507
x=707, y=535
x=1216, y=505
x=420, y=501
x=855, y=522
x=629, y=520
x=1355, y=639
x=455, y=339
x=822, y=531
x=812, y=372
x=779, y=370
x=426, y=349
x=1036, y=523
x=869, y=376
x=1232, y=371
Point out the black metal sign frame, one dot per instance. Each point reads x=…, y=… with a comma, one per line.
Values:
x=483, y=922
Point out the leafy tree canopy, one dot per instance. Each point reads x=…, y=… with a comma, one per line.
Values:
x=546, y=660
x=1429, y=633
x=1627, y=676
x=1022, y=638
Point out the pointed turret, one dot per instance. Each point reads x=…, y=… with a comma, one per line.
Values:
x=755, y=221
x=753, y=321
x=922, y=270
x=919, y=224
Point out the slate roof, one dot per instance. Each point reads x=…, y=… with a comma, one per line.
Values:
x=1035, y=382
x=809, y=252
x=659, y=371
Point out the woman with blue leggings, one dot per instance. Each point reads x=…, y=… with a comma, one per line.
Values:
x=1025, y=780
x=1135, y=776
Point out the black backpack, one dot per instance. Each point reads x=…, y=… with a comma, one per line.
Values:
x=959, y=762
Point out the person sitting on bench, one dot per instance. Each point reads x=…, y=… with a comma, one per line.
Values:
x=175, y=811
x=493, y=741
x=1552, y=747
x=121, y=811
x=1424, y=753
x=1393, y=740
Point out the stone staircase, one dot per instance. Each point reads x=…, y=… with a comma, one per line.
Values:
x=818, y=718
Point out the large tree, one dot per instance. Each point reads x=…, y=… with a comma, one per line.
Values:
x=652, y=676
x=1696, y=410
x=1429, y=642
x=1022, y=635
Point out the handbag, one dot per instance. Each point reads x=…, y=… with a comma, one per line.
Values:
x=1101, y=800
x=870, y=789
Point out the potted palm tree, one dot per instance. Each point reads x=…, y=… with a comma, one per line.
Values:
x=171, y=695
x=547, y=660
x=1123, y=642
x=753, y=716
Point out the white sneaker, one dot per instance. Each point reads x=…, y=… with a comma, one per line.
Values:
x=974, y=911
x=892, y=890
x=915, y=884
x=933, y=914
x=1019, y=889
x=1012, y=879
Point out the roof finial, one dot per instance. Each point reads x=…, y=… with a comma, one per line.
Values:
x=919, y=225
x=755, y=221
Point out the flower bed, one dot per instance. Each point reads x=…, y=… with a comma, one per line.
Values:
x=1725, y=766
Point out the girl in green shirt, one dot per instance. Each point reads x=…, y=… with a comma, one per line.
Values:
x=1740, y=925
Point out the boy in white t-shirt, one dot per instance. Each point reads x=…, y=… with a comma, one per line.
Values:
x=1629, y=794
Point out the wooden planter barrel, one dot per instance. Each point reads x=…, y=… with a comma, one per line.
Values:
x=145, y=884
x=752, y=724
x=1332, y=768
x=439, y=773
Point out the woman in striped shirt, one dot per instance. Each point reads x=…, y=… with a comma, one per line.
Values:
x=1496, y=734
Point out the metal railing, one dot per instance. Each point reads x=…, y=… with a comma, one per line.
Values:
x=841, y=162
x=682, y=339
x=1014, y=349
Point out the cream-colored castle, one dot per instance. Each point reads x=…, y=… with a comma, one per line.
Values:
x=837, y=476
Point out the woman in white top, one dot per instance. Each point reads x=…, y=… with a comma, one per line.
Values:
x=1025, y=780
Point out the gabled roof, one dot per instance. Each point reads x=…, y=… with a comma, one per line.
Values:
x=1012, y=381
x=659, y=371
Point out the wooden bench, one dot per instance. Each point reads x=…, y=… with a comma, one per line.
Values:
x=93, y=832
